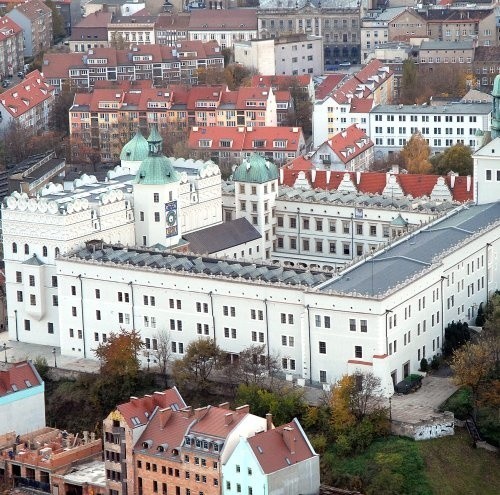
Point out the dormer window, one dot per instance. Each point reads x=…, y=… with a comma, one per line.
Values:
x=205, y=444
x=187, y=440
x=198, y=443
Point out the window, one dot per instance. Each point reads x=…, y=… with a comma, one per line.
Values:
x=157, y=216
x=32, y=281
x=55, y=300
x=156, y=197
x=358, y=351
x=73, y=290
x=352, y=324
x=98, y=314
x=364, y=326
x=32, y=300
x=26, y=249
x=97, y=294
x=14, y=247
x=27, y=325
x=54, y=281
x=19, y=277
x=322, y=347
x=322, y=376
x=73, y=311
x=50, y=327
x=19, y=296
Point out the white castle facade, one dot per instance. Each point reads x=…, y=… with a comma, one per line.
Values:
x=383, y=313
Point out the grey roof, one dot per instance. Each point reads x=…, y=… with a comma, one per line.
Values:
x=223, y=236
x=447, y=45
x=292, y=4
x=418, y=252
x=334, y=196
x=386, y=14
x=451, y=109
x=138, y=257
x=33, y=261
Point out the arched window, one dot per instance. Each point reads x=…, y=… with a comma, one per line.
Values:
x=57, y=252
x=14, y=247
x=26, y=249
x=44, y=251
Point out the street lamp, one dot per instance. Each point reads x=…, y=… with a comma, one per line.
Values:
x=5, y=350
x=55, y=357
x=390, y=408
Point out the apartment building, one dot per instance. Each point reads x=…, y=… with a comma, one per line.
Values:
x=350, y=150
x=91, y=32
x=11, y=47
x=229, y=145
x=172, y=28
x=433, y=53
x=293, y=54
x=278, y=460
x=344, y=100
x=22, y=398
x=35, y=19
x=391, y=126
x=28, y=103
x=486, y=66
x=159, y=64
x=336, y=22
x=133, y=29
x=223, y=26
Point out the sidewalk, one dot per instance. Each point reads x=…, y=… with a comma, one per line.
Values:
x=20, y=351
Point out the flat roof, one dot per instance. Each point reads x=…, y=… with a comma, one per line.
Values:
x=450, y=108
x=416, y=253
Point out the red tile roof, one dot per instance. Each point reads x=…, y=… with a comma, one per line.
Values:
x=243, y=139
x=26, y=95
x=254, y=94
x=361, y=105
x=142, y=408
x=95, y=20
x=368, y=71
x=18, y=376
x=350, y=143
x=281, y=447
x=218, y=421
x=8, y=28
x=328, y=85
x=375, y=182
x=225, y=20
x=33, y=9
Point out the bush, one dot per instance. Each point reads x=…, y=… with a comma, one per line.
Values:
x=436, y=362
x=456, y=334
x=319, y=443
x=460, y=404
x=481, y=317
x=42, y=367
x=424, y=365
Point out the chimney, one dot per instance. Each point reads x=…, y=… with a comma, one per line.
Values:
x=85, y=437
x=313, y=175
x=243, y=409
x=228, y=418
x=282, y=174
x=358, y=177
x=289, y=438
x=133, y=399
x=452, y=181
x=328, y=175
x=269, y=421
x=164, y=416
x=224, y=405
x=187, y=412
x=200, y=412
x=469, y=181
x=395, y=168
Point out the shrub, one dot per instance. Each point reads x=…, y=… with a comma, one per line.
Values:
x=460, y=404
x=319, y=443
x=424, y=365
x=436, y=362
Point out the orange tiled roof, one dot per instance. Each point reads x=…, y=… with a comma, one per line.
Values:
x=374, y=182
x=350, y=143
x=361, y=105
x=328, y=85
x=8, y=28
x=18, y=376
x=254, y=94
x=26, y=95
x=215, y=423
x=280, y=81
x=95, y=20
x=281, y=447
x=142, y=408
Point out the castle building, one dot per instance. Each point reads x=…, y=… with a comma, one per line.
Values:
x=365, y=278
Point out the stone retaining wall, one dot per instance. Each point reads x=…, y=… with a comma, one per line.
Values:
x=440, y=425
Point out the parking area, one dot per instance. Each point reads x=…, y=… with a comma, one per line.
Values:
x=423, y=403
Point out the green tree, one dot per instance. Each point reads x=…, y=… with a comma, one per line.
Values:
x=457, y=158
x=415, y=155
x=119, y=354
x=409, y=83
x=202, y=358
x=456, y=334
x=58, y=28
x=162, y=352
x=59, y=118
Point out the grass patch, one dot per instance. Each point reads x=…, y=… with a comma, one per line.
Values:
x=460, y=404
x=453, y=467
x=389, y=466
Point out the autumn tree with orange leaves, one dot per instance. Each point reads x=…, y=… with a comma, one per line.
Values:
x=119, y=355
x=415, y=155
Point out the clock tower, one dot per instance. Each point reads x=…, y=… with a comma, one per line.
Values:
x=156, y=198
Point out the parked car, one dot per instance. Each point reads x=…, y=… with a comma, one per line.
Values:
x=5, y=84
x=409, y=384
x=20, y=74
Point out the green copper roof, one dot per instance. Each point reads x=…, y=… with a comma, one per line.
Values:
x=255, y=169
x=157, y=170
x=136, y=150
x=154, y=135
x=399, y=221
x=496, y=87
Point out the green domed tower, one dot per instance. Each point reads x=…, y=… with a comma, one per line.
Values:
x=156, y=194
x=256, y=189
x=495, y=116
x=136, y=150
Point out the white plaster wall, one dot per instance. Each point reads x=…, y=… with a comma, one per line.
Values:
x=24, y=415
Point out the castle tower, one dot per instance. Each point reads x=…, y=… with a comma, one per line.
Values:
x=134, y=152
x=256, y=189
x=495, y=115
x=156, y=198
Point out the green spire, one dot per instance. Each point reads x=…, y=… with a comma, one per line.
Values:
x=155, y=141
x=495, y=116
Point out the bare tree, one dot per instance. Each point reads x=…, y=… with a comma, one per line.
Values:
x=162, y=354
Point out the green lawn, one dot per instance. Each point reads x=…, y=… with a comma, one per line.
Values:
x=453, y=467
x=400, y=466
